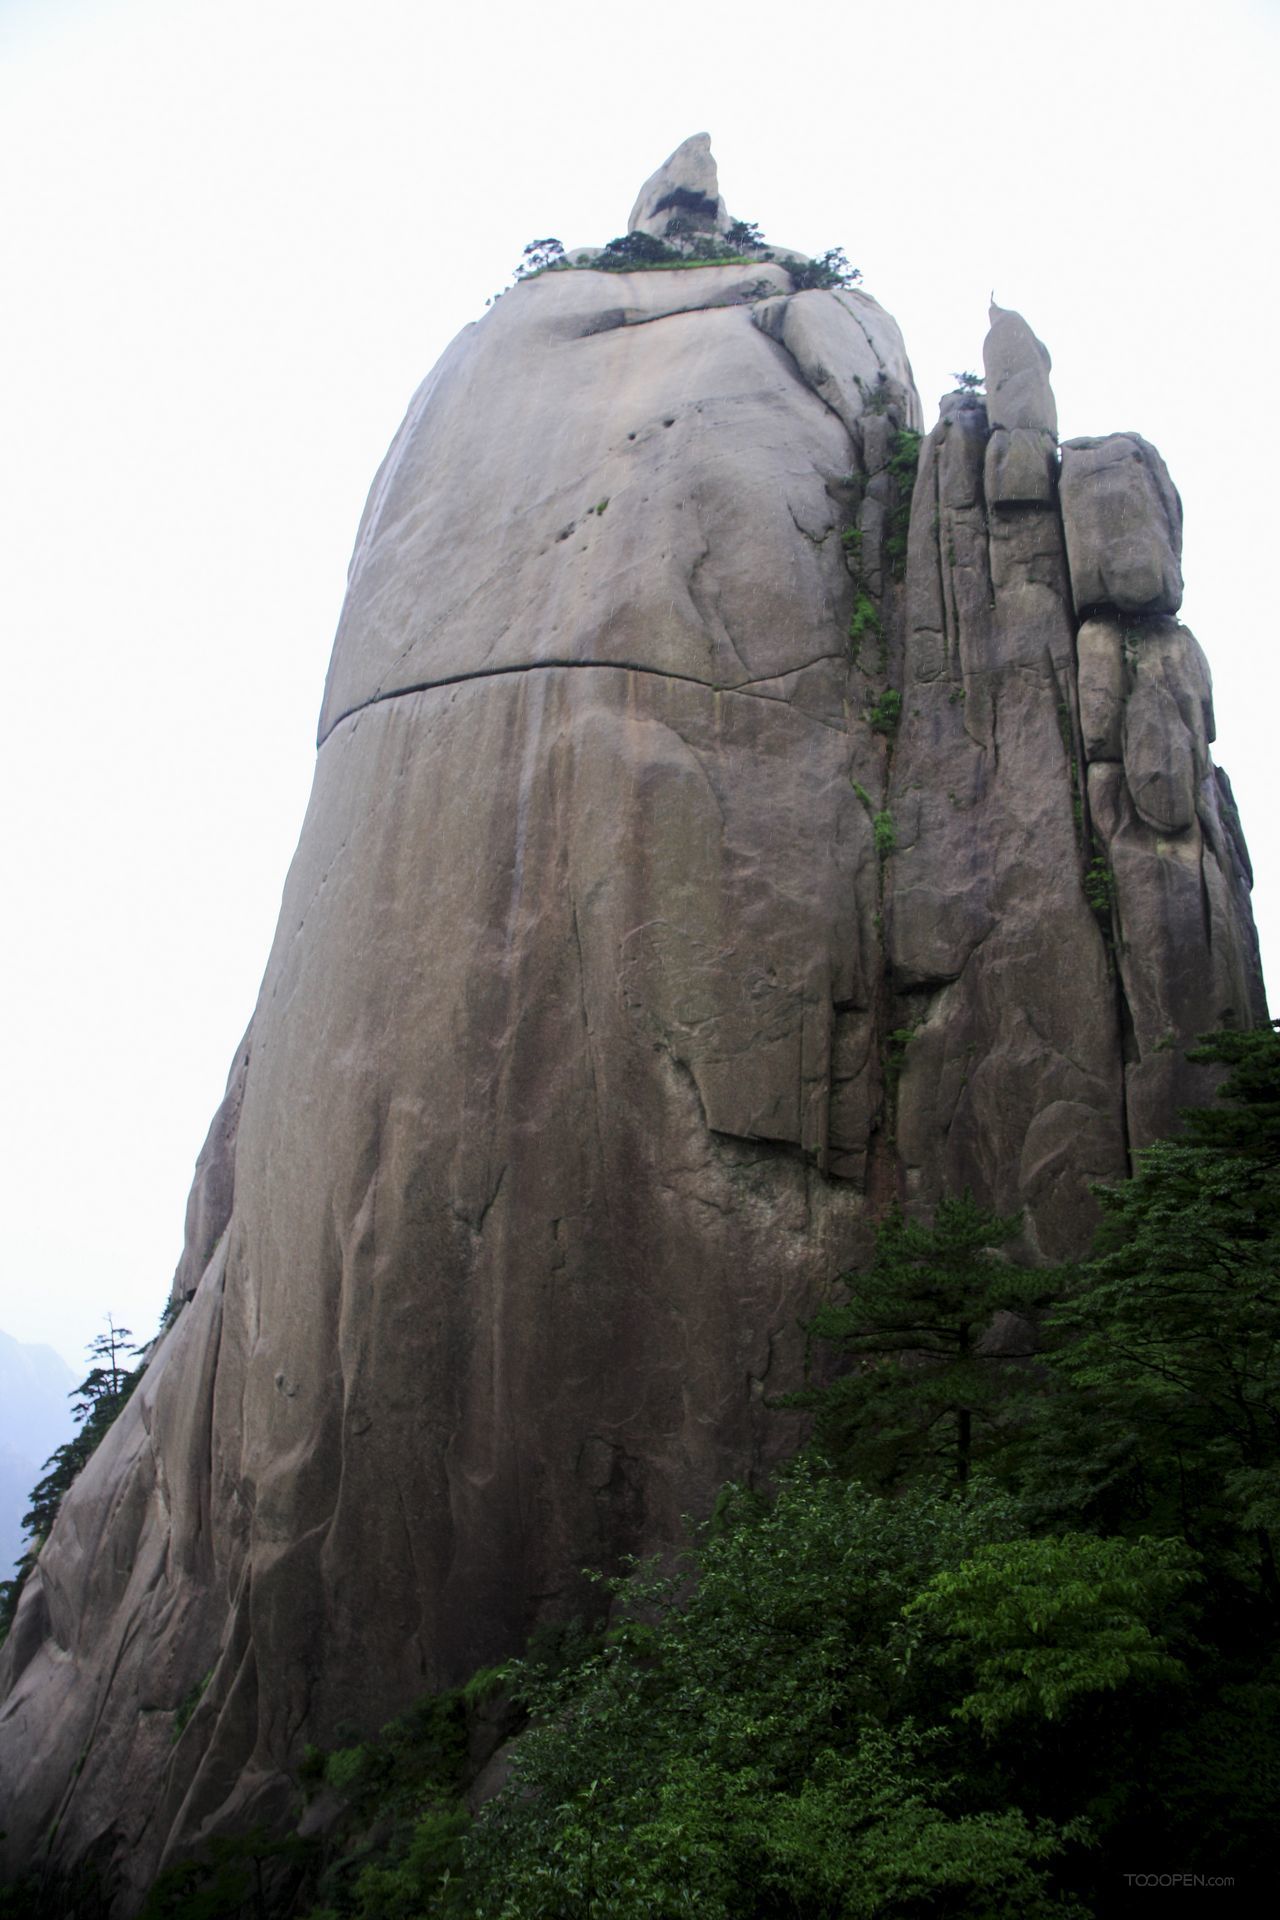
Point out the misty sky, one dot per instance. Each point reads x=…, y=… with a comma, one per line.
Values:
x=234, y=237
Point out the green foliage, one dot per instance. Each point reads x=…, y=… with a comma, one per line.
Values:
x=95, y=1405
x=234, y=1875
x=968, y=382
x=863, y=620
x=424, y=1746
x=1173, y=1333
x=419, y=1877
x=1162, y=1388
x=81, y=1895
x=639, y=252
x=1247, y=1120
x=904, y=460
x=919, y=1394
x=403, y=1785
x=904, y=456
x=744, y=236
x=538, y=257
x=1100, y=888
x=189, y=1702
x=632, y=250
x=483, y=1684
x=745, y=1746
x=886, y=712
x=884, y=833
x=1036, y=1627
x=830, y=269
x=895, y=1053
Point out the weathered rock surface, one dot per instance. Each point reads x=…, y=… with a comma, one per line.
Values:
x=1123, y=522
x=1100, y=675
x=1017, y=375
x=213, y=1184
x=850, y=354
x=628, y=962
x=1012, y=1076
x=1020, y=467
x=1168, y=835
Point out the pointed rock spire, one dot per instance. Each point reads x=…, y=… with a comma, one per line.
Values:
x=686, y=187
x=1017, y=369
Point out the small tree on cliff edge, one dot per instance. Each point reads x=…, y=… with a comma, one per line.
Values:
x=95, y=1404
x=921, y=1391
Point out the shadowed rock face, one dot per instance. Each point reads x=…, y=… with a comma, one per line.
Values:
x=598, y=1024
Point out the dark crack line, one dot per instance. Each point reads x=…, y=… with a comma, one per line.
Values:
x=858, y=321
x=611, y=666
x=624, y=325
x=806, y=383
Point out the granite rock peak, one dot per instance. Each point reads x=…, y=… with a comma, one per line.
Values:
x=734, y=810
x=685, y=188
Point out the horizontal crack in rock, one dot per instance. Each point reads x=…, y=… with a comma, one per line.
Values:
x=555, y=666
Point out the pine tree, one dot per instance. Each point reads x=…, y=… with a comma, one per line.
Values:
x=1172, y=1330
x=98, y=1401
x=922, y=1391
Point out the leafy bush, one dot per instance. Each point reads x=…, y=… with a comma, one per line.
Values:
x=863, y=620
x=886, y=713
x=1036, y=1627
x=884, y=833
x=1099, y=889
x=748, y=1747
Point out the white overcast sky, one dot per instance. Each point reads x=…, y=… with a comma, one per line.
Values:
x=234, y=234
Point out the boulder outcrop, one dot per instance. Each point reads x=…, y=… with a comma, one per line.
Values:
x=683, y=196
x=696, y=860
x=1123, y=523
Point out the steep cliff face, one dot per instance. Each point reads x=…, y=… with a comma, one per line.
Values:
x=639, y=943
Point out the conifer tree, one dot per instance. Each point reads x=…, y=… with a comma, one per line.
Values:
x=95, y=1404
x=923, y=1390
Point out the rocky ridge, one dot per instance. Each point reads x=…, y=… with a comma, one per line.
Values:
x=717, y=830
